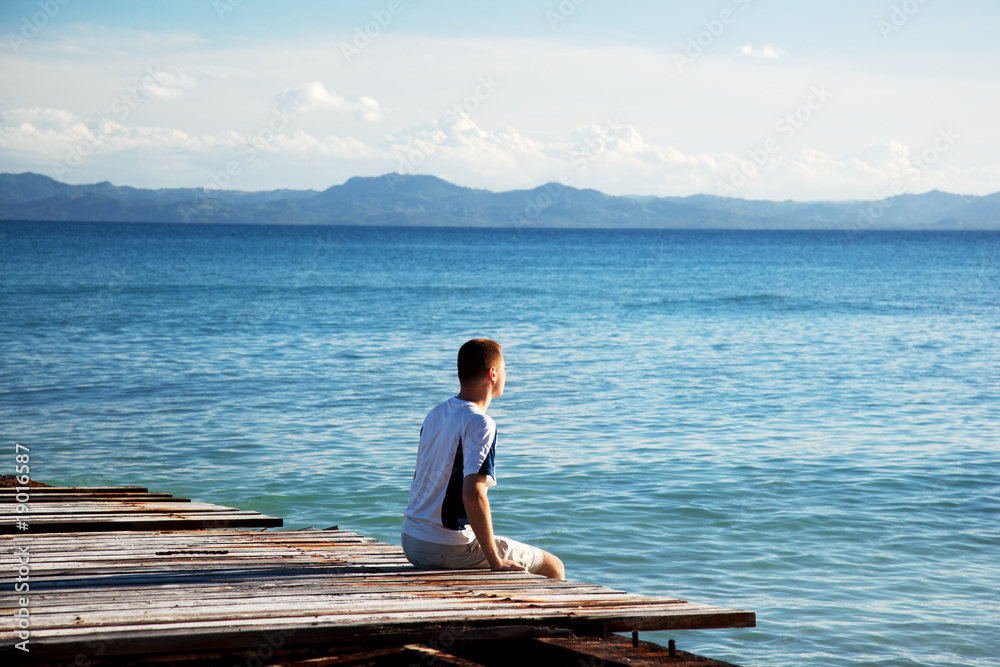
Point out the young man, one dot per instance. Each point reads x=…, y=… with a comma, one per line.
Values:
x=448, y=522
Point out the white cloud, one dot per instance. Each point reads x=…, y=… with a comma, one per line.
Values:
x=767, y=52
x=679, y=134
x=39, y=135
x=613, y=157
x=313, y=95
x=865, y=175
x=302, y=143
x=456, y=144
x=40, y=119
x=165, y=85
x=57, y=136
x=501, y=159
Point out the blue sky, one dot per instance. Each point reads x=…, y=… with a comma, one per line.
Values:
x=761, y=99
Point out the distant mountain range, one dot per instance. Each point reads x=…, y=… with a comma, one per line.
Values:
x=429, y=201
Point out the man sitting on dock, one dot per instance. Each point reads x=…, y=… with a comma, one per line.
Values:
x=448, y=522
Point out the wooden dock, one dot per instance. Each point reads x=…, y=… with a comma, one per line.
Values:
x=106, y=587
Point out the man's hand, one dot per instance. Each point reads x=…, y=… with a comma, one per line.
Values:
x=509, y=566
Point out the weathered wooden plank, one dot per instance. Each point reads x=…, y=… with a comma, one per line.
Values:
x=222, y=551
x=306, y=601
x=288, y=572
x=303, y=537
x=340, y=609
x=42, y=490
x=335, y=593
x=71, y=602
x=328, y=629
x=125, y=516
x=122, y=513
x=8, y=495
x=114, y=539
x=125, y=512
x=118, y=506
x=353, y=624
x=294, y=576
x=185, y=642
x=144, y=522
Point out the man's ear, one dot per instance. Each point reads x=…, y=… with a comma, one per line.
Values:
x=493, y=374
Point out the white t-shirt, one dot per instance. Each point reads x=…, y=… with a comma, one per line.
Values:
x=457, y=439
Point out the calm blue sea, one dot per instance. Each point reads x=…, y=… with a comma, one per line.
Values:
x=802, y=424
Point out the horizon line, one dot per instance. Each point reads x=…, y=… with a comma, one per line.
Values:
x=542, y=185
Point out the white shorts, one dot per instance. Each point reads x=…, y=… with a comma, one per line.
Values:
x=431, y=556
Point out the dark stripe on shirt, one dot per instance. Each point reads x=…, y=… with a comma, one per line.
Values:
x=453, y=513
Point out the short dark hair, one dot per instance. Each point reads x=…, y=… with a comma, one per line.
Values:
x=476, y=358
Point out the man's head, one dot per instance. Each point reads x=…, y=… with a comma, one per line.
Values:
x=480, y=360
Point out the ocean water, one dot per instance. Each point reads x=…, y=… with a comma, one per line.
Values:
x=802, y=424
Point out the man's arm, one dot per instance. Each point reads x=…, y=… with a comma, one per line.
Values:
x=477, y=508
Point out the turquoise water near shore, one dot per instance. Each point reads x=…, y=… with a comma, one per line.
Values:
x=801, y=424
